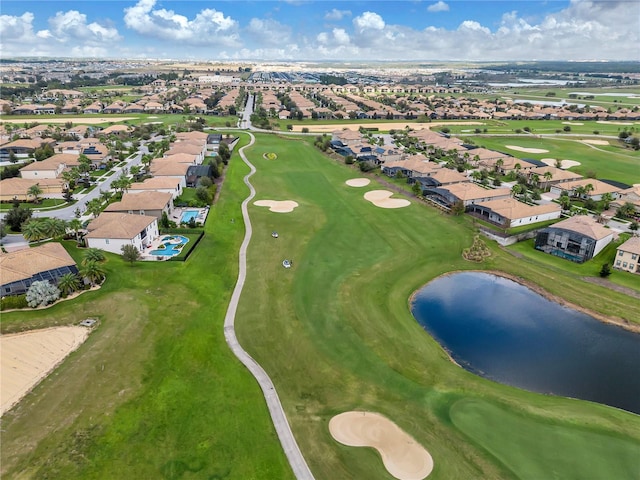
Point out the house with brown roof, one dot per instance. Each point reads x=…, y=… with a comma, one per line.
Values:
x=17, y=188
x=110, y=231
x=19, y=269
x=158, y=184
x=143, y=203
x=198, y=149
x=595, y=189
x=628, y=256
x=162, y=168
x=549, y=175
x=578, y=238
x=509, y=212
x=51, y=167
x=468, y=193
x=23, y=147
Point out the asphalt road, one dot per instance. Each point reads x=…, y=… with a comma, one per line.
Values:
x=288, y=441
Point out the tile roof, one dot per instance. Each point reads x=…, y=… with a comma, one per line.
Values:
x=632, y=245
x=23, y=264
x=118, y=225
x=148, y=200
x=584, y=225
x=512, y=209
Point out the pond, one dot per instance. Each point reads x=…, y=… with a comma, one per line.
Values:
x=501, y=330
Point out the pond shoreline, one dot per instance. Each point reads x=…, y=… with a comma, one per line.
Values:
x=620, y=322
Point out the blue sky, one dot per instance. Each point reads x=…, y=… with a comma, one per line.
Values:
x=323, y=30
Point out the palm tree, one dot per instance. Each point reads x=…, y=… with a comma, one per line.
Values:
x=35, y=191
x=55, y=227
x=94, y=207
x=68, y=283
x=93, y=255
x=547, y=176
x=34, y=230
x=92, y=272
x=516, y=190
x=75, y=225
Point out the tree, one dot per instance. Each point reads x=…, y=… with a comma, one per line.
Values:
x=35, y=191
x=34, y=230
x=224, y=153
x=605, y=271
x=93, y=255
x=626, y=210
x=565, y=201
x=17, y=216
x=54, y=227
x=3, y=230
x=42, y=293
x=416, y=188
x=458, y=208
x=94, y=207
x=202, y=194
x=547, y=176
x=68, y=283
x=92, y=272
x=517, y=189
x=130, y=253
x=75, y=225
x=606, y=200
x=84, y=163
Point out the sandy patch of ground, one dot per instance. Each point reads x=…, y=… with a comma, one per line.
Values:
x=74, y=120
x=526, y=149
x=614, y=123
x=278, y=206
x=572, y=123
x=26, y=358
x=358, y=182
x=403, y=457
x=382, y=199
x=564, y=164
x=596, y=142
x=382, y=126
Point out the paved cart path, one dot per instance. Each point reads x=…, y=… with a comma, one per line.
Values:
x=291, y=449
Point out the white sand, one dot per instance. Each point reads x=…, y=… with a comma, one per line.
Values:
x=358, y=182
x=614, y=123
x=278, y=206
x=526, y=150
x=596, y=142
x=403, y=457
x=564, y=164
x=26, y=358
x=382, y=199
x=44, y=120
x=572, y=123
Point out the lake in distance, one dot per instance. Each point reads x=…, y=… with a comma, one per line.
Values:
x=503, y=331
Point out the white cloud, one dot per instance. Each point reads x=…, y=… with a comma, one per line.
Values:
x=440, y=6
x=208, y=27
x=368, y=21
x=268, y=31
x=68, y=34
x=335, y=14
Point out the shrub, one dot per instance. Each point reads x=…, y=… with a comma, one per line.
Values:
x=42, y=293
x=17, y=301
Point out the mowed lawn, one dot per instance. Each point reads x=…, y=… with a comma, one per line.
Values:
x=335, y=333
x=154, y=393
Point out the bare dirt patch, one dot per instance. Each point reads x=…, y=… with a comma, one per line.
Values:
x=278, y=206
x=28, y=357
x=382, y=199
x=382, y=126
x=403, y=457
x=564, y=164
x=526, y=149
x=358, y=182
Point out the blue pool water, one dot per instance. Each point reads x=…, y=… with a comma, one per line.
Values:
x=171, y=249
x=188, y=215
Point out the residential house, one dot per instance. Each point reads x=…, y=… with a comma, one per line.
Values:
x=23, y=147
x=158, y=184
x=548, y=176
x=170, y=169
x=468, y=193
x=509, y=212
x=628, y=256
x=19, y=269
x=587, y=188
x=110, y=231
x=144, y=203
x=577, y=238
x=628, y=195
x=199, y=150
x=51, y=167
x=196, y=172
x=17, y=188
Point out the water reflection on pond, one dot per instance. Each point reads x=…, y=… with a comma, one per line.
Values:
x=504, y=331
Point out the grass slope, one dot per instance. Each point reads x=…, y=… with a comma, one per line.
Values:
x=335, y=331
x=154, y=392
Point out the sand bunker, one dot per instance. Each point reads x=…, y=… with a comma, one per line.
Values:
x=609, y=122
x=596, y=142
x=278, y=206
x=358, y=182
x=26, y=358
x=526, y=150
x=564, y=164
x=572, y=123
x=382, y=199
x=403, y=457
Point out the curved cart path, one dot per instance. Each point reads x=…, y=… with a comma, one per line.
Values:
x=291, y=449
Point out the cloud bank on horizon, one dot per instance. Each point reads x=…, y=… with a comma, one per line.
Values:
x=322, y=30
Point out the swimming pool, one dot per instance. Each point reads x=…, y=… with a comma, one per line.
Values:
x=172, y=246
x=188, y=215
